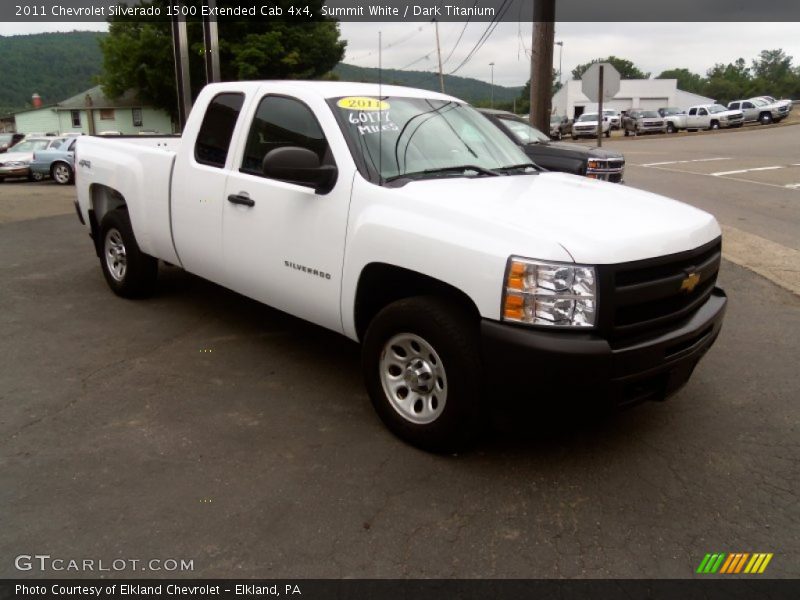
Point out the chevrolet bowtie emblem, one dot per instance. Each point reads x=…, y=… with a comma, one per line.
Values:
x=691, y=281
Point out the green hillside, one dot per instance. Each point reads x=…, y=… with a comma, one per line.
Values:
x=60, y=65
x=54, y=65
x=471, y=90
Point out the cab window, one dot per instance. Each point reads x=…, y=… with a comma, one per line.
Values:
x=216, y=132
x=281, y=121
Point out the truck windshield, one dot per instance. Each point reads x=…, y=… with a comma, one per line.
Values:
x=716, y=108
x=422, y=137
x=588, y=117
x=650, y=114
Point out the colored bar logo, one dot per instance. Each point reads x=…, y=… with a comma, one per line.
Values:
x=734, y=563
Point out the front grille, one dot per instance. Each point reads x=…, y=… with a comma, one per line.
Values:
x=642, y=298
x=608, y=169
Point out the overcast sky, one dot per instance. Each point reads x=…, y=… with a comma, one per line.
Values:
x=653, y=47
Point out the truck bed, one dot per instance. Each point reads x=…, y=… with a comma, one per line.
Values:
x=139, y=168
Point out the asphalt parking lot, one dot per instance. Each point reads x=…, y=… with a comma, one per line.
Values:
x=200, y=425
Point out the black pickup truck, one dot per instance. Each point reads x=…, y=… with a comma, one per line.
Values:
x=596, y=163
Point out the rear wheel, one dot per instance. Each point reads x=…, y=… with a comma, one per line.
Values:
x=422, y=369
x=61, y=173
x=130, y=273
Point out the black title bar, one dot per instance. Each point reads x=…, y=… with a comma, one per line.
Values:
x=732, y=588
x=403, y=10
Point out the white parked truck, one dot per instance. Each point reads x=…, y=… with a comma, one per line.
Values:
x=759, y=109
x=405, y=220
x=712, y=116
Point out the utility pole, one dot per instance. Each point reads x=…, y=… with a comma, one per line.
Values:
x=544, y=13
x=560, y=56
x=491, y=64
x=180, y=49
x=211, y=44
x=439, y=53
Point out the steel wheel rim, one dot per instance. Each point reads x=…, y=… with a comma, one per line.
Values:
x=61, y=174
x=116, y=257
x=413, y=378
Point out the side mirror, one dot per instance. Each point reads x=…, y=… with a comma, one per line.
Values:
x=300, y=166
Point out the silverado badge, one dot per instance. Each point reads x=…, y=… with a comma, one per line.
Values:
x=688, y=284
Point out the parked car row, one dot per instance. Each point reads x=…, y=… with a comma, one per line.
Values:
x=35, y=158
x=670, y=119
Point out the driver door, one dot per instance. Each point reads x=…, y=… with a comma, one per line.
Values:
x=283, y=243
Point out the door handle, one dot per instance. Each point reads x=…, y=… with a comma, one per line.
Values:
x=241, y=199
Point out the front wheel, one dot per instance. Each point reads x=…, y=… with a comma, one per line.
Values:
x=422, y=368
x=61, y=173
x=130, y=273
x=671, y=128
x=765, y=119
x=714, y=125
x=608, y=133
x=35, y=176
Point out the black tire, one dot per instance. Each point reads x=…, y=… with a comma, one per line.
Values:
x=608, y=133
x=452, y=335
x=2, y=179
x=765, y=118
x=138, y=276
x=61, y=173
x=714, y=125
x=671, y=128
x=627, y=132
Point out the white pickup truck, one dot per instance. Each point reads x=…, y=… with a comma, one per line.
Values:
x=405, y=220
x=712, y=116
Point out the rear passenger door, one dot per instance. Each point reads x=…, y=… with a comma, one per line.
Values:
x=198, y=188
x=283, y=243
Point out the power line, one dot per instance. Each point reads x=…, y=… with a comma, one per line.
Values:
x=458, y=41
x=393, y=44
x=486, y=34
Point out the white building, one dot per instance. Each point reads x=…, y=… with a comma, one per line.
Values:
x=633, y=93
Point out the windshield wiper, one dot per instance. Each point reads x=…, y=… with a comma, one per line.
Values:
x=444, y=170
x=462, y=169
x=533, y=166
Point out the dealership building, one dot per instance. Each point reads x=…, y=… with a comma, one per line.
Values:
x=633, y=93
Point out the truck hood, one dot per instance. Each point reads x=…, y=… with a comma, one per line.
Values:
x=594, y=221
x=573, y=150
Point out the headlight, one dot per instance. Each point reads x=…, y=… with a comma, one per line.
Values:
x=557, y=294
x=18, y=163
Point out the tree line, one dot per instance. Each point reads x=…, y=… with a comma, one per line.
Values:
x=771, y=73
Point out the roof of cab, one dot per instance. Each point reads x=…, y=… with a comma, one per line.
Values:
x=336, y=89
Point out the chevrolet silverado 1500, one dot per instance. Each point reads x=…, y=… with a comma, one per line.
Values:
x=405, y=220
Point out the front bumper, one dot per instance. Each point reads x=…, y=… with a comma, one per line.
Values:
x=15, y=171
x=568, y=364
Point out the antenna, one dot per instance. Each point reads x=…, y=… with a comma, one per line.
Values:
x=380, y=109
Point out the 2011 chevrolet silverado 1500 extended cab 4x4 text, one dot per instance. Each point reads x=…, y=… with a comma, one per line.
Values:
x=405, y=220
